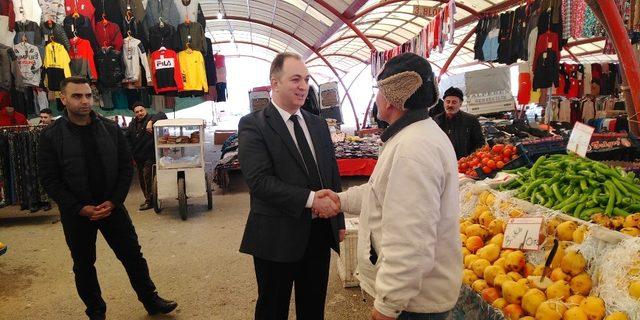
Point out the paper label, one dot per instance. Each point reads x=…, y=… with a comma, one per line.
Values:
x=580, y=139
x=522, y=234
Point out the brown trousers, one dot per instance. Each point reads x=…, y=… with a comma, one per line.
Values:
x=145, y=176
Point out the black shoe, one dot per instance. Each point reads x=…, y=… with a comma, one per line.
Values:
x=157, y=305
x=145, y=206
x=46, y=206
x=97, y=316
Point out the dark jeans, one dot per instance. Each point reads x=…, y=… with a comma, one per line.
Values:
x=117, y=229
x=423, y=316
x=145, y=176
x=310, y=276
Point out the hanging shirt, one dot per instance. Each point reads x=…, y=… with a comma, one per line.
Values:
x=6, y=10
x=80, y=26
x=82, y=59
x=109, y=66
x=56, y=63
x=134, y=56
x=165, y=36
x=54, y=32
x=191, y=33
x=193, y=73
x=29, y=63
x=27, y=10
x=82, y=7
x=165, y=9
x=547, y=40
x=53, y=10
x=546, y=70
x=110, y=8
x=190, y=11
x=134, y=28
x=165, y=71
x=135, y=6
x=108, y=35
x=564, y=113
x=588, y=110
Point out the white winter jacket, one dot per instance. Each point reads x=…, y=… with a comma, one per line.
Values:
x=409, y=213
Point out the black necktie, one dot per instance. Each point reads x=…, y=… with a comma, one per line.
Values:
x=307, y=156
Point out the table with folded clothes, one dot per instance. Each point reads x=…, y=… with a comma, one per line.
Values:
x=228, y=162
x=511, y=131
x=357, y=156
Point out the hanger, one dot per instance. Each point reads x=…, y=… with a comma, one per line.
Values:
x=75, y=12
x=24, y=38
x=189, y=50
x=162, y=48
x=161, y=22
x=129, y=34
x=104, y=19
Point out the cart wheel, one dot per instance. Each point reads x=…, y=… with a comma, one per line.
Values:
x=207, y=178
x=182, y=198
x=157, y=204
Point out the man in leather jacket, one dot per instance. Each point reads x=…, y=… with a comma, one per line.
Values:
x=463, y=129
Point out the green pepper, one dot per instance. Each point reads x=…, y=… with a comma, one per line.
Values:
x=556, y=192
x=594, y=195
x=536, y=165
x=533, y=185
x=590, y=204
x=576, y=212
x=583, y=185
x=547, y=190
x=541, y=199
x=569, y=207
x=612, y=198
x=567, y=201
x=620, y=212
x=589, y=212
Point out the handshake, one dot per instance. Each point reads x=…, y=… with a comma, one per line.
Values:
x=326, y=204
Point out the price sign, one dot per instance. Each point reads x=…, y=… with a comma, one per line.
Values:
x=580, y=139
x=425, y=11
x=522, y=234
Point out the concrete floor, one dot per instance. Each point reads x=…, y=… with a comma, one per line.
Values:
x=195, y=262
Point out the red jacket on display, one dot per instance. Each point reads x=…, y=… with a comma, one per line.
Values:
x=82, y=63
x=108, y=35
x=544, y=40
x=82, y=7
x=165, y=71
x=15, y=119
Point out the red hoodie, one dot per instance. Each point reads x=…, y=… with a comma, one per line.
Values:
x=15, y=119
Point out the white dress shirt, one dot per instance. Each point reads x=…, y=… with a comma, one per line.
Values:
x=285, y=116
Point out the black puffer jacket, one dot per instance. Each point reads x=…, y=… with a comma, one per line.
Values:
x=63, y=171
x=464, y=130
x=141, y=140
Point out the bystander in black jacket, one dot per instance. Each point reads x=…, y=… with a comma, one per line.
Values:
x=141, y=140
x=64, y=170
x=464, y=130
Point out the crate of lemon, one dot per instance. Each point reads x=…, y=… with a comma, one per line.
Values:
x=509, y=283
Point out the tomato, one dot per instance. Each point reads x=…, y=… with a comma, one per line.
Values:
x=485, y=160
x=491, y=164
x=499, y=164
x=506, y=159
x=497, y=158
x=515, y=156
x=474, y=163
x=507, y=152
x=486, y=169
x=497, y=148
x=485, y=147
x=464, y=166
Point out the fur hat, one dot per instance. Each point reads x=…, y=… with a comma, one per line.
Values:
x=454, y=92
x=407, y=82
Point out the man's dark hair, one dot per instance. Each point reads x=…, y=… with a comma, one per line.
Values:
x=76, y=80
x=278, y=63
x=137, y=104
x=47, y=111
x=454, y=92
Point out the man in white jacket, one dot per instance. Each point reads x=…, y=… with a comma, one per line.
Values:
x=409, y=253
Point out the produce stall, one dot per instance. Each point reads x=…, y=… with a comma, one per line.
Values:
x=587, y=211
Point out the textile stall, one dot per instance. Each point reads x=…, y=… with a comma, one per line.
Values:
x=153, y=52
x=19, y=180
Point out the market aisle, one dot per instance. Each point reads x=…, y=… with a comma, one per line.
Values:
x=196, y=262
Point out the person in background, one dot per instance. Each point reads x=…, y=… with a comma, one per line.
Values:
x=46, y=117
x=287, y=157
x=410, y=258
x=10, y=117
x=84, y=163
x=140, y=136
x=463, y=129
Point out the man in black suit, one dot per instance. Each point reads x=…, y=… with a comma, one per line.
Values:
x=288, y=160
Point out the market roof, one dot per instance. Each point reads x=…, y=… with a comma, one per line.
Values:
x=341, y=33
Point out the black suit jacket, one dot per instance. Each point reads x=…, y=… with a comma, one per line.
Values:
x=279, y=224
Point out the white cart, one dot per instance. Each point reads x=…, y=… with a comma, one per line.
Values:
x=179, y=172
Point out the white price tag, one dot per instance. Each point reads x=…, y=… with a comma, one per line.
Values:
x=580, y=139
x=522, y=233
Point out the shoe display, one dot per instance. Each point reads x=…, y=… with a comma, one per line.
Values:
x=157, y=305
